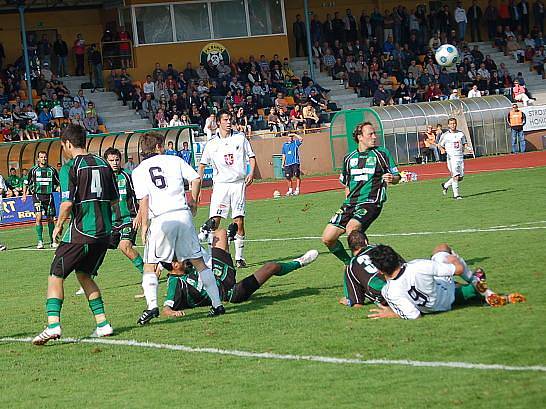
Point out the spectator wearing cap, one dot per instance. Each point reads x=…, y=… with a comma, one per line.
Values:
x=90, y=123
x=454, y=94
x=519, y=93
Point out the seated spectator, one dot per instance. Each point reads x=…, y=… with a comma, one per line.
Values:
x=539, y=60
x=519, y=93
x=513, y=49
x=224, y=71
x=190, y=75
x=241, y=121
x=435, y=93
x=202, y=73
x=280, y=103
x=402, y=94
x=211, y=126
x=175, y=121
x=310, y=116
x=296, y=117
x=76, y=110
x=149, y=108
x=250, y=108
x=319, y=103
x=386, y=81
x=149, y=86
x=474, y=92
x=354, y=80
x=45, y=119
x=77, y=120
x=339, y=72
x=160, y=119
x=495, y=84
x=454, y=94
x=14, y=184
x=287, y=71
x=274, y=122
x=329, y=61
x=126, y=91
x=5, y=118
x=90, y=123
x=380, y=96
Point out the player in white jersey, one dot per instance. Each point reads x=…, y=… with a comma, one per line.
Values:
x=426, y=286
x=166, y=219
x=228, y=153
x=453, y=143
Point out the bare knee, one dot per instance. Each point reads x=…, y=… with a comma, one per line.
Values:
x=442, y=247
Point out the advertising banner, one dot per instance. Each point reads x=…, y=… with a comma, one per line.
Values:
x=536, y=117
x=15, y=211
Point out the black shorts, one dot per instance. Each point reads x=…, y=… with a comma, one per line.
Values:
x=125, y=232
x=44, y=204
x=291, y=171
x=79, y=257
x=364, y=213
x=224, y=271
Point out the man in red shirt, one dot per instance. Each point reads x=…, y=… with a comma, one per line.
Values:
x=79, y=52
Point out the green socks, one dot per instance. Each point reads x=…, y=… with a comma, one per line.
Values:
x=50, y=228
x=39, y=232
x=339, y=251
x=53, y=308
x=288, y=267
x=138, y=263
x=97, y=306
x=465, y=293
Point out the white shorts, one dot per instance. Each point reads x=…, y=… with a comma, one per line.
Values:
x=226, y=196
x=169, y=235
x=455, y=164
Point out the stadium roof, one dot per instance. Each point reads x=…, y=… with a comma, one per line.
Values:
x=7, y=6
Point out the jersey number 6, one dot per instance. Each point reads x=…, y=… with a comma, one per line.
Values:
x=156, y=173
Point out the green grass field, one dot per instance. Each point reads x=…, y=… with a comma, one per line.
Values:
x=299, y=314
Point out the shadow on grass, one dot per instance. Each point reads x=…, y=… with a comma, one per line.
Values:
x=475, y=260
x=260, y=263
x=487, y=192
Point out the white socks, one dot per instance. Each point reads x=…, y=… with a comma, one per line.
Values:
x=239, y=247
x=149, y=285
x=209, y=282
x=448, y=183
x=455, y=187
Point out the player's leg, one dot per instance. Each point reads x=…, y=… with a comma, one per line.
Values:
x=244, y=289
x=38, y=223
x=333, y=230
x=238, y=203
x=50, y=213
x=288, y=175
x=210, y=285
x=297, y=175
x=126, y=245
x=458, y=174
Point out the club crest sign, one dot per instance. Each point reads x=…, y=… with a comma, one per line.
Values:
x=213, y=53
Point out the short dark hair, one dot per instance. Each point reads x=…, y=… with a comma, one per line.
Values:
x=385, y=259
x=452, y=119
x=358, y=129
x=75, y=134
x=112, y=151
x=357, y=240
x=149, y=140
x=39, y=153
x=223, y=112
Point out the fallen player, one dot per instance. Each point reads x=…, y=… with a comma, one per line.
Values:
x=185, y=290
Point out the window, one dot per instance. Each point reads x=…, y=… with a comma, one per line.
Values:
x=125, y=20
x=154, y=24
x=229, y=19
x=265, y=17
x=191, y=21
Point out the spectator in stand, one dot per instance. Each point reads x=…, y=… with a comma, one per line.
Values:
x=124, y=47
x=474, y=16
x=274, y=122
x=202, y=73
x=45, y=119
x=454, y=94
x=160, y=118
x=329, y=61
x=241, y=121
x=90, y=123
x=380, y=96
x=539, y=14
x=431, y=147
x=130, y=165
x=459, y=16
x=298, y=31
x=402, y=94
x=149, y=86
x=60, y=49
x=95, y=59
x=79, y=52
x=170, y=149
x=312, y=120
x=539, y=60
x=76, y=110
x=516, y=120
x=519, y=93
x=474, y=92
x=190, y=75
x=211, y=126
x=296, y=117
x=149, y=109
x=126, y=91
x=175, y=121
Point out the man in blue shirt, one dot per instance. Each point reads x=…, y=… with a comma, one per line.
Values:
x=291, y=162
x=185, y=153
x=170, y=149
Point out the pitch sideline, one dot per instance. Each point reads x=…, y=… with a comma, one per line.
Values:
x=290, y=357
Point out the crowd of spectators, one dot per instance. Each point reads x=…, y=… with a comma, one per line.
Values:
x=390, y=56
x=260, y=94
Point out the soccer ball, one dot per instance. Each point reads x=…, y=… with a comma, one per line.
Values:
x=276, y=194
x=447, y=55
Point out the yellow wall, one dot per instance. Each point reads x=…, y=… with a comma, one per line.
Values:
x=88, y=22
x=179, y=54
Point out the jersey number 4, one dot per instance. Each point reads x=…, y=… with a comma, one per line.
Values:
x=156, y=173
x=96, y=186
x=417, y=295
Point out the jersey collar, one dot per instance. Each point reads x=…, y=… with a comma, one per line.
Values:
x=402, y=270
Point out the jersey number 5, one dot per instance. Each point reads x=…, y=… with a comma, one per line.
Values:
x=417, y=295
x=156, y=173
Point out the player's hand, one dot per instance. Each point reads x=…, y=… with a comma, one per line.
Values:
x=168, y=312
x=24, y=198
x=382, y=312
x=387, y=178
x=57, y=231
x=144, y=233
x=343, y=301
x=137, y=222
x=249, y=179
x=193, y=207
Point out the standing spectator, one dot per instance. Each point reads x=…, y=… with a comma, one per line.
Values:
x=491, y=16
x=79, y=53
x=185, y=153
x=349, y=23
x=516, y=119
x=460, y=19
x=538, y=12
x=298, y=29
x=291, y=162
x=95, y=58
x=44, y=50
x=474, y=15
x=124, y=47
x=524, y=11
x=2, y=57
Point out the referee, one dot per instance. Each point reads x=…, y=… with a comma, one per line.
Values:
x=291, y=163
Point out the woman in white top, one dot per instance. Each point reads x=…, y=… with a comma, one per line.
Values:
x=175, y=121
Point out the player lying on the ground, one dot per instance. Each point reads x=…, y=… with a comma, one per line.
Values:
x=185, y=289
x=426, y=286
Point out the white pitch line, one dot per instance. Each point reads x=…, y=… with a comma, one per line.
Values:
x=492, y=229
x=290, y=357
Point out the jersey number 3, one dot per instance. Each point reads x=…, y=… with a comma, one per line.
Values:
x=156, y=173
x=417, y=295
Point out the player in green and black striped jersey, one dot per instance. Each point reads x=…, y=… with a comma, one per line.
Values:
x=124, y=236
x=185, y=289
x=366, y=173
x=89, y=190
x=41, y=181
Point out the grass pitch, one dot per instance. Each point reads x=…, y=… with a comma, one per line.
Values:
x=298, y=314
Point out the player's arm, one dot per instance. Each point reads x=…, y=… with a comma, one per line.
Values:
x=392, y=177
x=142, y=217
x=252, y=161
x=194, y=180
x=399, y=306
x=67, y=181
x=382, y=311
x=168, y=305
x=56, y=181
x=442, y=144
x=26, y=185
x=450, y=266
